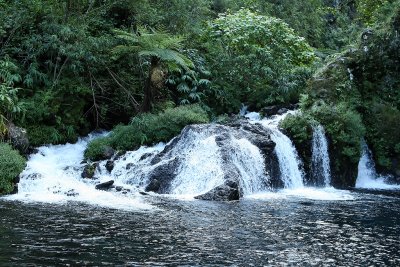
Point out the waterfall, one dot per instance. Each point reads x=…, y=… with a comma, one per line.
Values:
x=367, y=176
x=320, y=157
x=289, y=161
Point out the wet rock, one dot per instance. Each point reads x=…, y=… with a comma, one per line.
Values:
x=277, y=109
x=153, y=186
x=72, y=193
x=18, y=137
x=15, y=190
x=105, y=186
x=129, y=166
x=89, y=170
x=109, y=165
x=16, y=180
x=119, y=188
x=145, y=156
x=166, y=164
x=282, y=111
x=221, y=193
x=108, y=152
x=162, y=176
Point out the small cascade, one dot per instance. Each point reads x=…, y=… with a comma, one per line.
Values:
x=204, y=162
x=320, y=157
x=289, y=161
x=201, y=166
x=53, y=175
x=367, y=176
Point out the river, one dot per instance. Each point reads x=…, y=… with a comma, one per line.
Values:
x=307, y=228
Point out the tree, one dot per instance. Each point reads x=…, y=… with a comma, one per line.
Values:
x=9, y=104
x=160, y=50
x=256, y=59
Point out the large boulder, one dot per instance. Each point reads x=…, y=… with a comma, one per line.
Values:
x=176, y=156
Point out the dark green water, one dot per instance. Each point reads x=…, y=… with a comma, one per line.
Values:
x=283, y=231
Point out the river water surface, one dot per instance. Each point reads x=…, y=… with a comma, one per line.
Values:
x=339, y=228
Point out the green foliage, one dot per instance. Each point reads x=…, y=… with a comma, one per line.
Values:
x=299, y=128
x=368, y=10
x=264, y=56
x=96, y=148
x=344, y=126
x=9, y=104
x=147, y=129
x=11, y=165
x=149, y=43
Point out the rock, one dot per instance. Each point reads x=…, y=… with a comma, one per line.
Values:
x=109, y=165
x=89, y=170
x=271, y=110
x=15, y=190
x=108, y=152
x=16, y=180
x=278, y=109
x=18, y=137
x=72, y=193
x=282, y=111
x=163, y=174
x=129, y=166
x=145, y=156
x=119, y=188
x=105, y=186
x=153, y=186
x=168, y=163
x=221, y=193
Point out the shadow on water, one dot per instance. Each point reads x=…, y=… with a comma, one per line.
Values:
x=363, y=231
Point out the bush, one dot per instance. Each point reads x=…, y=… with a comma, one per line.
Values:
x=298, y=127
x=11, y=165
x=42, y=134
x=147, y=129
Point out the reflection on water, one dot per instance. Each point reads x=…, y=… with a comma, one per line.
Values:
x=272, y=231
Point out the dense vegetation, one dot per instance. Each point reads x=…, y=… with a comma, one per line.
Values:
x=68, y=67
x=11, y=165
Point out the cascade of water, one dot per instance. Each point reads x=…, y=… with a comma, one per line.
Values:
x=202, y=164
x=54, y=175
x=320, y=157
x=289, y=161
x=367, y=176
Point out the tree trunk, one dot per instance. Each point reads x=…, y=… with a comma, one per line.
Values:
x=152, y=84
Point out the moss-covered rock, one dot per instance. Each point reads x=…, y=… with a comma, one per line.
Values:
x=147, y=129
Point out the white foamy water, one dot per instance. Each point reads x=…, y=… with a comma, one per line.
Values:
x=367, y=176
x=320, y=157
x=324, y=194
x=202, y=164
x=289, y=161
x=53, y=175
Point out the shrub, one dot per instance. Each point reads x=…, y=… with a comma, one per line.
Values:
x=11, y=165
x=42, y=134
x=147, y=129
x=298, y=127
